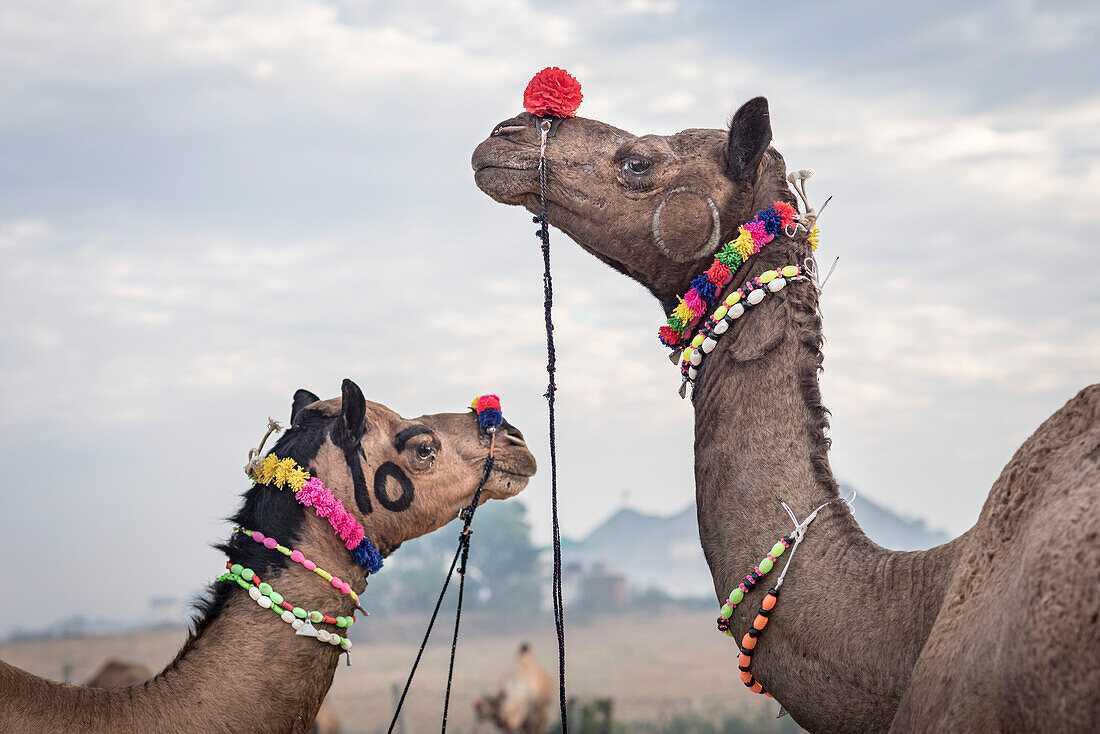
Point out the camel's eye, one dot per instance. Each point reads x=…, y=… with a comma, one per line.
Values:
x=635, y=166
x=425, y=452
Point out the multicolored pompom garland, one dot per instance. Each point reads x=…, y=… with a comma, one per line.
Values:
x=268, y=598
x=312, y=492
x=706, y=288
x=488, y=412
x=297, y=556
x=732, y=308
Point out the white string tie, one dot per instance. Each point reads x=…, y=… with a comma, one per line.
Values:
x=255, y=460
x=799, y=531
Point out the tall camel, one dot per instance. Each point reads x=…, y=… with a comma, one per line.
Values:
x=243, y=668
x=995, y=630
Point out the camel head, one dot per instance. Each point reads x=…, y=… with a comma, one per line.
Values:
x=655, y=207
x=400, y=477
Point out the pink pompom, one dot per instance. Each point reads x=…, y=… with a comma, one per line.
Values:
x=355, y=537
x=309, y=565
x=270, y=543
x=297, y=556
x=345, y=587
x=258, y=536
x=337, y=581
x=695, y=302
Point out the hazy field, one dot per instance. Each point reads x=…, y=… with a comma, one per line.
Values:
x=655, y=667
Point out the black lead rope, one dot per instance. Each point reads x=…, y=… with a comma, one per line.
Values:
x=546, y=128
x=463, y=552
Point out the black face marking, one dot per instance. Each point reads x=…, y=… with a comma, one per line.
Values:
x=355, y=466
x=403, y=437
x=387, y=470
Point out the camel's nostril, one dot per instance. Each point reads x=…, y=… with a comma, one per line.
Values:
x=515, y=440
x=506, y=128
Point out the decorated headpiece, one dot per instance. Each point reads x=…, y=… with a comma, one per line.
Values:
x=488, y=412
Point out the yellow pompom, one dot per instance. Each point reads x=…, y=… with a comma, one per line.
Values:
x=815, y=234
x=683, y=313
x=296, y=478
x=283, y=472
x=745, y=244
x=266, y=471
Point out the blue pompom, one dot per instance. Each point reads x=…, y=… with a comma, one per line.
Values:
x=490, y=417
x=367, y=556
x=773, y=223
x=704, y=288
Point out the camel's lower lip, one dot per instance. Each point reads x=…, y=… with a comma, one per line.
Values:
x=512, y=471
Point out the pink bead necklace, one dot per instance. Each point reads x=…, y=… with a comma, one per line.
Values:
x=296, y=555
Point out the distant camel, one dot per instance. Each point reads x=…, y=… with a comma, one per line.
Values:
x=522, y=702
x=996, y=630
x=120, y=674
x=244, y=669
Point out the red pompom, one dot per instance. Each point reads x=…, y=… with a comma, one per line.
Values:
x=719, y=274
x=485, y=402
x=552, y=92
x=668, y=337
x=787, y=213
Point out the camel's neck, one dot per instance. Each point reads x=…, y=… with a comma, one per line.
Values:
x=245, y=671
x=852, y=617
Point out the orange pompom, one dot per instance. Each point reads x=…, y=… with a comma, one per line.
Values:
x=757, y=688
x=769, y=602
x=748, y=641
x=760, y=622
x=746, y=676
x=744, y=660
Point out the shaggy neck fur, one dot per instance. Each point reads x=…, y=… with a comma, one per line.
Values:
x=243, y=669
x=852, y=617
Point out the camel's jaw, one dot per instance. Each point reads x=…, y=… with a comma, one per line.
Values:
x=504, y=175
x=513, y=467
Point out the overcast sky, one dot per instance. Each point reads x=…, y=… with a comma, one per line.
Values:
x=204, y=206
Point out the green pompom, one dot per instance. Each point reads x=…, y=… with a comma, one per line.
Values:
x=236, y=569
x=276, y=598
x=736, y=596
x=247, y=574
x=265, y=589
x=315, y=616
x=727, y=610
x=777, y=549
x=341, y=621
x=299, y=612
x=766, y=565
x=729, y=256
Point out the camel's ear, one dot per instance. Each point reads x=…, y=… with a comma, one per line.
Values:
x=302, y=398
x=750, y=135
x=760, y=333
x=353, y=411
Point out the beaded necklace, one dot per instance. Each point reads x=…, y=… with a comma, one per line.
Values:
x=748, y=642
x=295, y=555
x=301, y=620
x=732, y=308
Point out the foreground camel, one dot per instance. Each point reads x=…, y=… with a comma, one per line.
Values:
x=243, y=668
x=994, y=631
x=522, y=702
